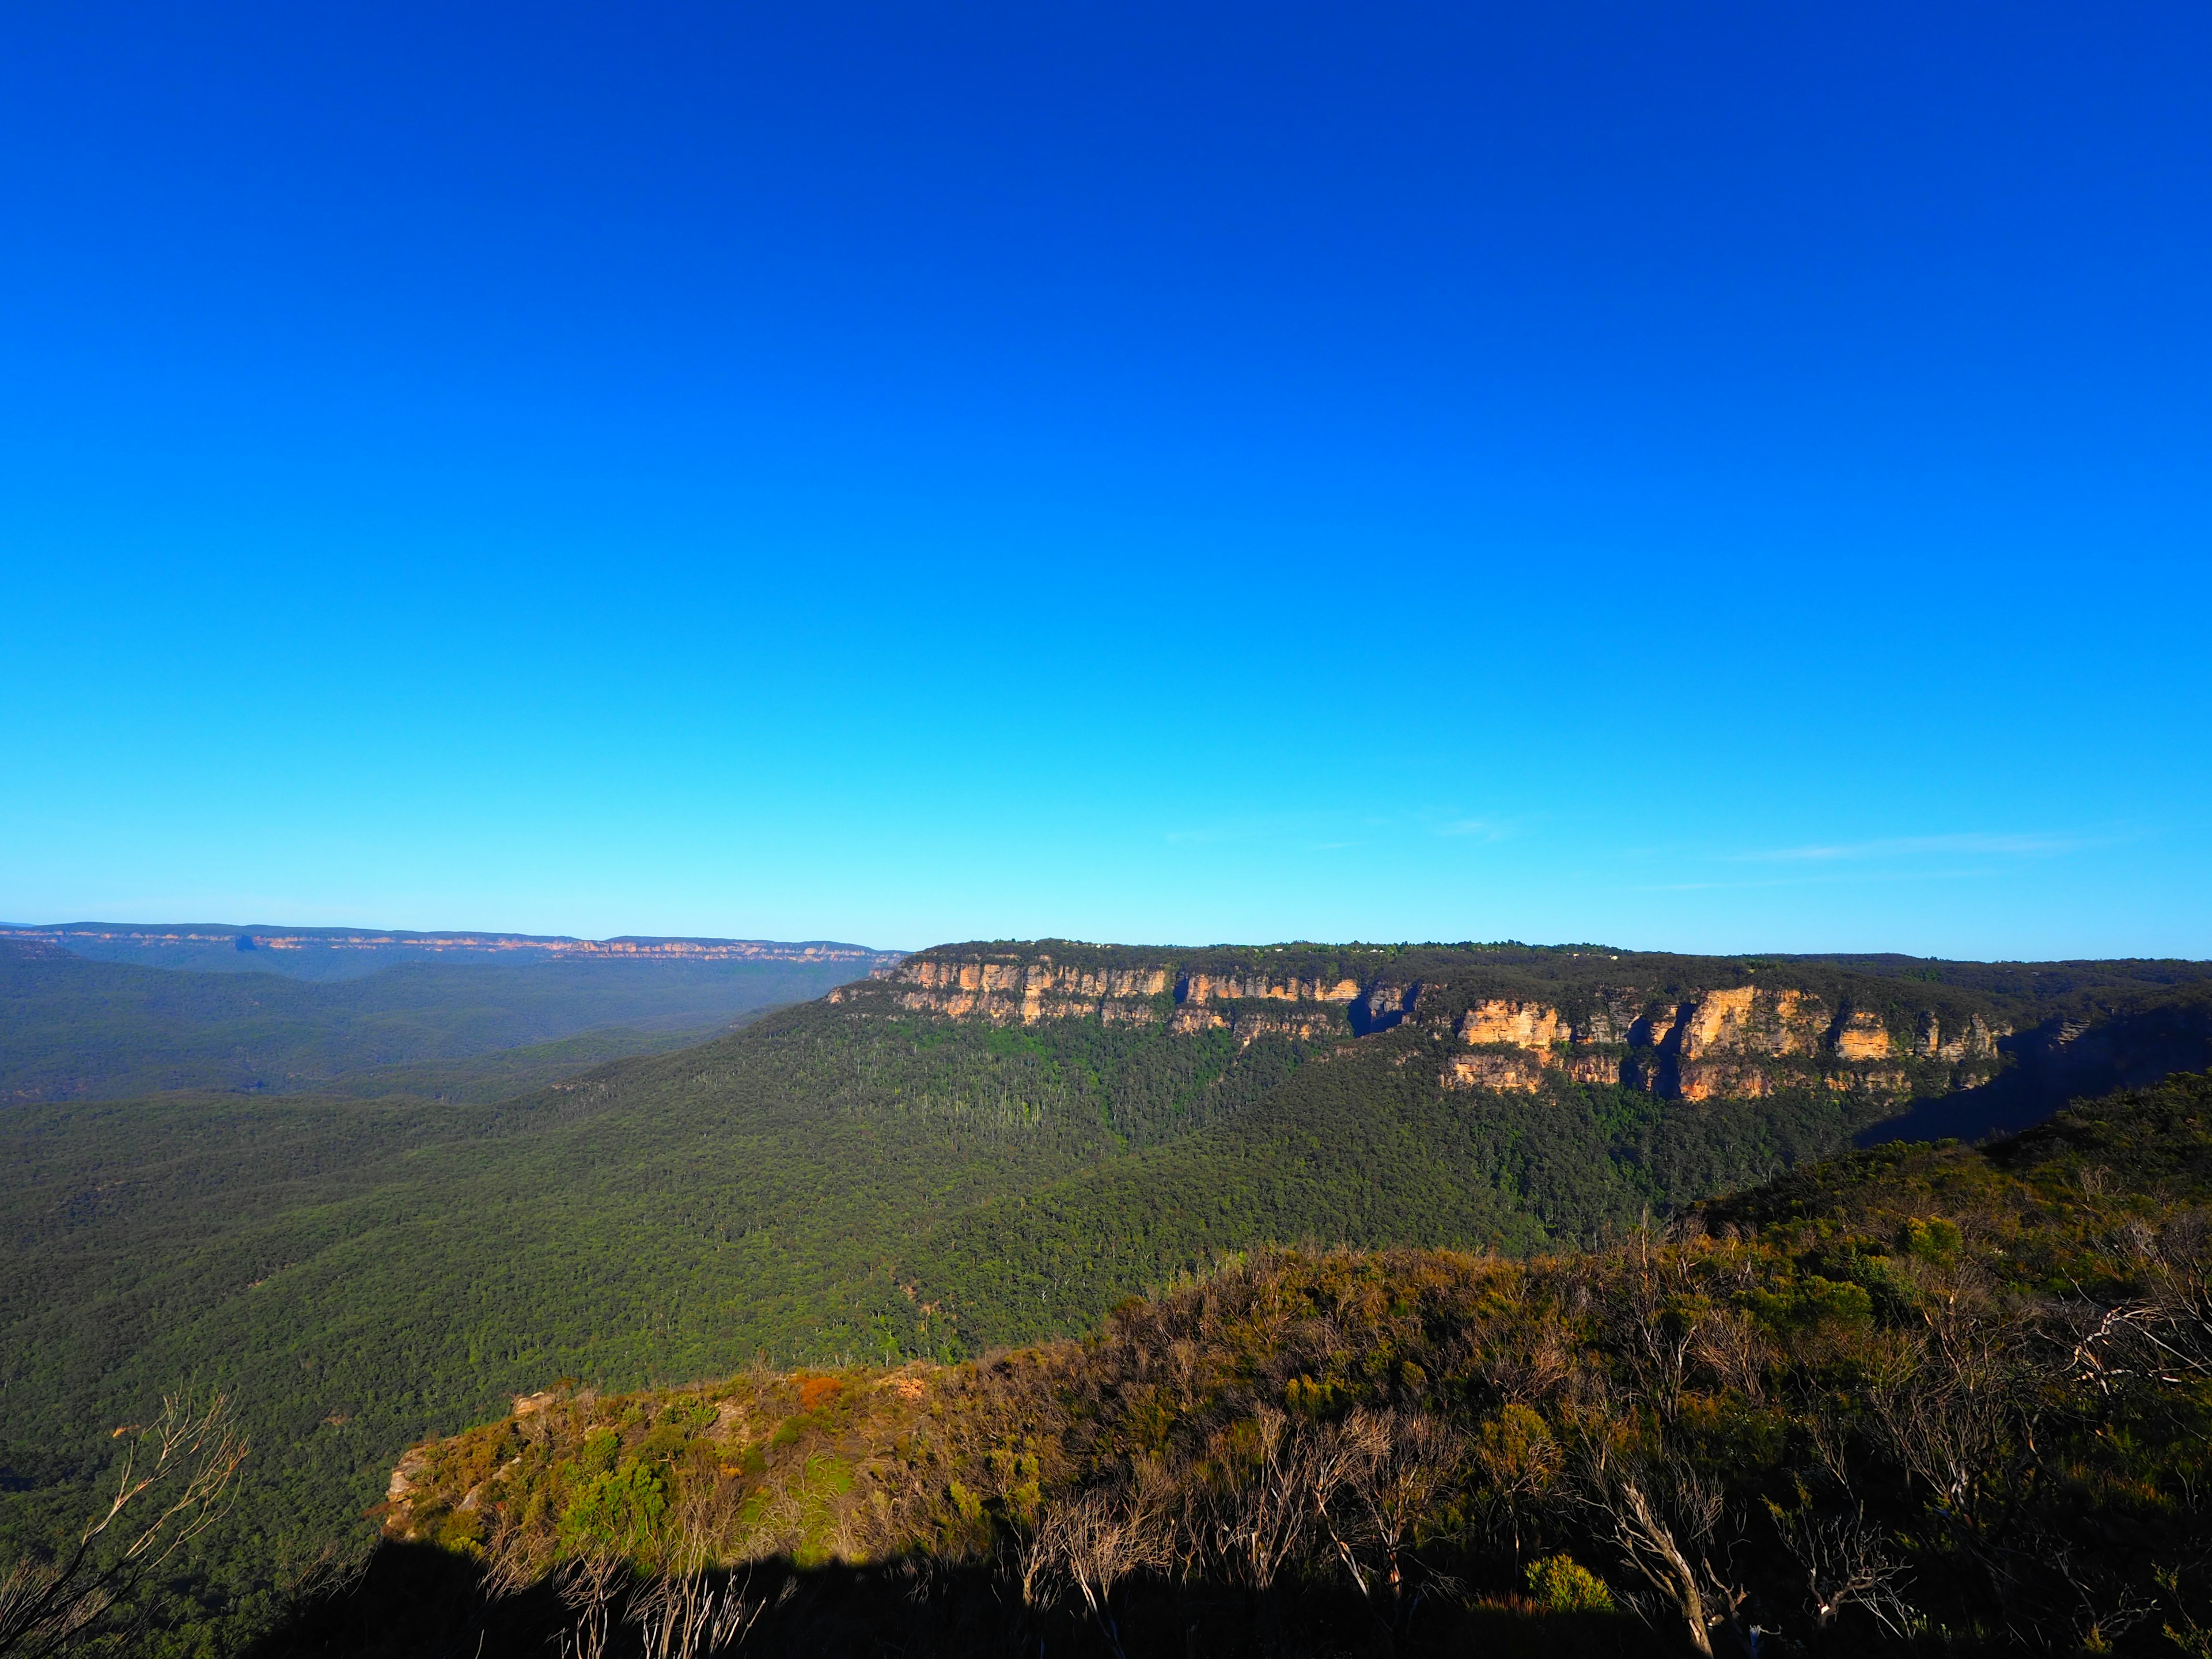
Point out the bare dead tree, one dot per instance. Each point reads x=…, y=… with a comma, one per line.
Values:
x=1726, y=1344
x=1094, y=1542
x=1393, y=1465
x=589, y=1584
x=2163, y=1337
x=1263, y=1525
x=1845, y=1566
x=686, y=1615
x=1664, y=1520
x=1959, y=1415
x=2102, y=1611
x=1659, y=1343
x=683, y=1613
x=1034, y=1554
x=177, y=1479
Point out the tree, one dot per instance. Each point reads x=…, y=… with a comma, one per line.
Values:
x=177, y=1477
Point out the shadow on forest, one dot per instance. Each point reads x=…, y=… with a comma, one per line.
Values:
x=2062, y=1060
x=423, y=1603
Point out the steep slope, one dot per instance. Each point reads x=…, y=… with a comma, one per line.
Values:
x=1375, y=1143
x=357, y=1271
x=1514, y=1096
x=2114, y=1036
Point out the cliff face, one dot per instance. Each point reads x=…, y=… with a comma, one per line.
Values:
x=1739, y=1042
x=1731, y=1042
x=1015, y=990
x=1522, y=1025
x=1010, y=988
x=1682, y=1041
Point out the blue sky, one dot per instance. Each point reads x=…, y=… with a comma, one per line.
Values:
x=1721, y=477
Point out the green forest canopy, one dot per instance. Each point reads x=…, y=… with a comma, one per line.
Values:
x=835, y=1182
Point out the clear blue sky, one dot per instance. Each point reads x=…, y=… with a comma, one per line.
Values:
x=1706, y=477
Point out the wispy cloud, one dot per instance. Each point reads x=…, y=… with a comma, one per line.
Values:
x=1331, y=831
x=1967, y=857
x=1822, y=879
x=1905, y=847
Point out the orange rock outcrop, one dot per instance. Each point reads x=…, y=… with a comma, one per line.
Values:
x=1515, y=1073
x=1524, y=1024
x=1863, y=1037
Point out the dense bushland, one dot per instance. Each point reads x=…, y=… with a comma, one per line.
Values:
x=826, y=1188
x=1919, y=1398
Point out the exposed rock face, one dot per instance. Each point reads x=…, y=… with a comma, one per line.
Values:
x=1547, y=1042
x=1734, y=1042
x=1594, y=1068
x=1711, y=1079
x=1719, y=1019
x=1655, y=1027
x=1750, y=1019
x=1011, y=989
x=1729, y=1042
x=1229, y=988
x=1524, y=1024
x=1038, y=976
x=400, y=1493
x=1972, y=1040
x=1385, y=1005
x=1248, y=1024
x=1610, y=1019
x=1863, y=1037
x=1747, y=1019
x=1521, y=1073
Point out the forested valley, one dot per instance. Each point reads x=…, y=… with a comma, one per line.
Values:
x=1920, y=1398
x=904, y=1178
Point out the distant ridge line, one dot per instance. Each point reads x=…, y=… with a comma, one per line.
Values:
x=262, y=937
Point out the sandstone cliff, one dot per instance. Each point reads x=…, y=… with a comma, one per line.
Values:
x=1018, y=987
x=1741, y=1042
x=1688, y=1042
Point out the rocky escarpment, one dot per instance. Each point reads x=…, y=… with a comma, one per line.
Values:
x=1668, y=1035
x=1005, y=988
x=1739, y=1041
x=1022, y=987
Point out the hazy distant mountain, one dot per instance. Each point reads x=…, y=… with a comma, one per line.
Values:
x=74, y=1028
x=355, y=952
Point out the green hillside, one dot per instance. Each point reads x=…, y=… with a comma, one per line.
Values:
x=873, y=1179
x=1364, y=1149
x=1918, y=1400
